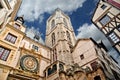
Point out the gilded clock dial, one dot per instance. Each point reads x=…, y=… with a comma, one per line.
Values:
x=29, y=63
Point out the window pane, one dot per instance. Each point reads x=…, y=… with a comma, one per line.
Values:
x=4, y=53
x=114, y=37
x=11, y=38
x=105, y=20
x=4, y=56
x=119, y=28
x=103, y=6
x=1, y=51
x=8, y=37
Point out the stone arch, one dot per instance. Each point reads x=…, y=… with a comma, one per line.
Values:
x=97, y=78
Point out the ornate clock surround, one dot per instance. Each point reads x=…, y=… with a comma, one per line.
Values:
x=29, y=63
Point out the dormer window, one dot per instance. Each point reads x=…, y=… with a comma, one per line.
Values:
x=20, y=20
x=103, y=6
x=37, y=37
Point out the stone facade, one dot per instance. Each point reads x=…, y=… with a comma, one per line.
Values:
x=61, y=58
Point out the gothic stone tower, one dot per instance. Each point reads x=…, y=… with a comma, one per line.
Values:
x=60, y=36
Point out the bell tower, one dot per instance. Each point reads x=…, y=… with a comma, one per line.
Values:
x=60, y=36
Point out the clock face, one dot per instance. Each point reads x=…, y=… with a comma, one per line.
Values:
x=29, y=63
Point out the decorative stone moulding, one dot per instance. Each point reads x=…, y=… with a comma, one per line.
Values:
x=29, y=63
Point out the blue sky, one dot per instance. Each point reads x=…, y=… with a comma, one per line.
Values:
x=80, y=12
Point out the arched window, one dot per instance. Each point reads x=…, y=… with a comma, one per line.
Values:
x=68, y=36
x=53, y=38
x=97, y=78
x=53, y=23
x=61, y=68
x=54, y=68
x=49, y=71
x=65, y=22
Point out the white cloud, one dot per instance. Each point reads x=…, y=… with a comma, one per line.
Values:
x=33, y=10
x=89, y=30
x=31, y=32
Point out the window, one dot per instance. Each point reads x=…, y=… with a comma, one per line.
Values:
x=53, y=38
x=35, y=47
x=54, y=55
x=61, y=67
x=37, y=37
x=82, y=57
x=105, y=20
x=118, y=27
x=68, y=36
x=53, y=23
x=49, y=71
x=94, y=65
x=20, y=21
x=1, y=6
x=54, y=68
x=114, y=38
x=103, y=6
x=97, y=78
x=65, y=22
x=11, y=38
x=17, y=26
x=4, y=53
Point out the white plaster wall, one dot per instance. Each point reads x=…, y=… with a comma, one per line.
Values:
x=85, y=47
